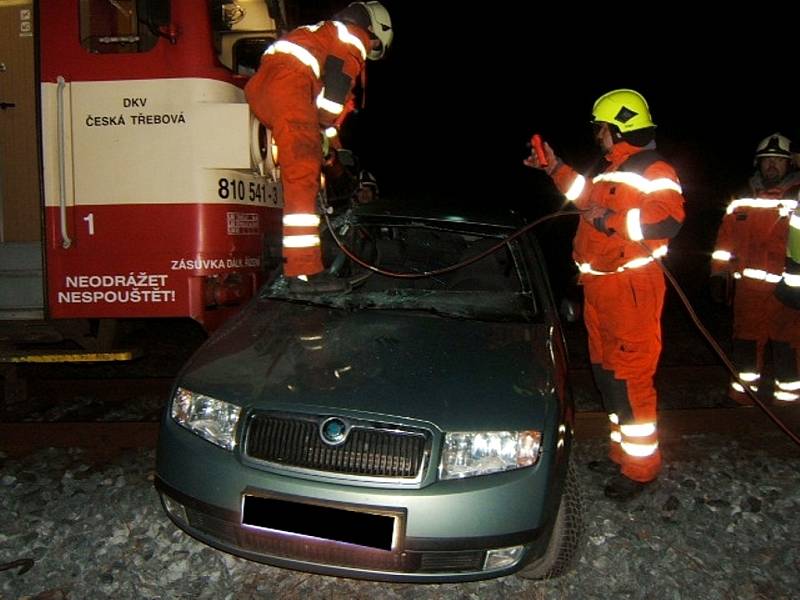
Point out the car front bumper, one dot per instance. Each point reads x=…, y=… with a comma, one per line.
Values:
x=445, y=532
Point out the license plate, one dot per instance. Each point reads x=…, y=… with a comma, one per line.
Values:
x=325, y=522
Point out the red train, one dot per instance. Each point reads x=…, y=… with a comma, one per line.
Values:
x=132, y=181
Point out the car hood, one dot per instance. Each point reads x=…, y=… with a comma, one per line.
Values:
x=455, y=374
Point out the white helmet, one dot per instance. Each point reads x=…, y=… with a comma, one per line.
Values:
x=380, y=26
x=774, y=145
x=374, y=18
x=367, y=179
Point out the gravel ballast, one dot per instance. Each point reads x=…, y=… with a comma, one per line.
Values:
x=723, y=521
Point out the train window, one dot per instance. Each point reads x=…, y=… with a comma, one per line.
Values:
x=119, y=26
x=242, y=31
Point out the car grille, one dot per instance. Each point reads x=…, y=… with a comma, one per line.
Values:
x=370, y=450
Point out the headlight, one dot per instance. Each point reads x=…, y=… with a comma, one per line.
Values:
x=470, y=453
x=208, y=417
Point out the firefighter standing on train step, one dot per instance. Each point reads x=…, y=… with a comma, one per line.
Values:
x=304, y=85
x=751, y=250
x=628, y=214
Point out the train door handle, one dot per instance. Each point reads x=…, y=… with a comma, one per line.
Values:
x=5, y=105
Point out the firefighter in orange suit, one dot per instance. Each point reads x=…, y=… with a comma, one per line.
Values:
x=303, y=86
x=628, y=214
x=751, y=250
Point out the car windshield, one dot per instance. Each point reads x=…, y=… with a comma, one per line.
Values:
x=495, y=287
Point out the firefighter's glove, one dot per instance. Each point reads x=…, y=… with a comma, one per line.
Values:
x=719, y=287
x=597, y=217
x=553, y=162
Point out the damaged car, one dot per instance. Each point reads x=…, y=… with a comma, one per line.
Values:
x=415, y=426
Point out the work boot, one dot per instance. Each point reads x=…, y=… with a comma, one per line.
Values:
x=622, y=488
x=318, y=283
x=741, y=398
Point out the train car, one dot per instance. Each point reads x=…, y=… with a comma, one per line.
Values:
x=133, y=180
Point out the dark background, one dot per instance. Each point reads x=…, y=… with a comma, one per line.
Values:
x=449, y=111
x=463, y=89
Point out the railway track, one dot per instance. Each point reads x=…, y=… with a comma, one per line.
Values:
x=90, y=399
x=104, y=416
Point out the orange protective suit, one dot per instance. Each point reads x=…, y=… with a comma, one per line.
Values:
x=634, y=207
x=751, y=247
x=305, y=83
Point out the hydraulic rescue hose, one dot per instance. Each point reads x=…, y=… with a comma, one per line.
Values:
x=564, y=213
x=721, y=353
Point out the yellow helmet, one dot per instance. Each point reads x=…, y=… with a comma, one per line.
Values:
x=626, y=109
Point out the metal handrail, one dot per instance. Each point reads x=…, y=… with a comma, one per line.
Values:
x=66, y=241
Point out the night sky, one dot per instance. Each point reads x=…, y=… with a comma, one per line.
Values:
x=450, y=110
x=462, y=91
